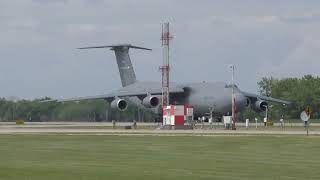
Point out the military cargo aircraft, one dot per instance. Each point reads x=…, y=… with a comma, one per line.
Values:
x=147, y=95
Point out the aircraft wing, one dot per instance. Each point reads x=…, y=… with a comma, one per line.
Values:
x=121, y=93
x=252, y=96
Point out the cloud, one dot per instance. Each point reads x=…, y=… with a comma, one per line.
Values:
x=302, y=60
x=266, y=19
x=39, y=37
x=81, y=28
x=241, y=20
x=304, y=18
x=22, y=24
x=50, y=1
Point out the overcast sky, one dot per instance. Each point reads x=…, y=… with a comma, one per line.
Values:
x=38, y=41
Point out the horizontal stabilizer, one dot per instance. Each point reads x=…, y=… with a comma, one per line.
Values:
x=116, y=46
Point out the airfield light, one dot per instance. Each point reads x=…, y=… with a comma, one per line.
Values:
x=211, y=117
x=233, y=99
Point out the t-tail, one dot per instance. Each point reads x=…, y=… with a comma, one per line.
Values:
x=125, y=67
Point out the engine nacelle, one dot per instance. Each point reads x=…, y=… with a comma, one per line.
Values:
x=150, y=101
x=260, y=105
x=119, y=104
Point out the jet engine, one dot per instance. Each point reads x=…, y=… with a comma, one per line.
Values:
x=119, y=104
x=150, y=101
x=260, y=105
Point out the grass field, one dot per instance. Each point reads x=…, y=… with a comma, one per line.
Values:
x=151, y=157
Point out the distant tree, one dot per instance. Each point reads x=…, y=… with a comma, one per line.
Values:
x=302, y=92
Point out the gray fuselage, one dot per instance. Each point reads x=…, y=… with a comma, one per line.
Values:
x=201, y=96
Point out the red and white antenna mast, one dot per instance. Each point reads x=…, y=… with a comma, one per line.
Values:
x=165, y=68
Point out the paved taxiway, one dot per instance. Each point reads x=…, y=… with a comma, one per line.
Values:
x=109, y=124
x=104, y=128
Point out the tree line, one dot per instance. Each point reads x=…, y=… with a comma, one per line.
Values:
x=87, y=110
x=302, y=92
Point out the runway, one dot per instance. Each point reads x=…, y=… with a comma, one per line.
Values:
x=144, y=129
x=144, y=124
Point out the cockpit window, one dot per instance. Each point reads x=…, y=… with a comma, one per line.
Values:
x=230, y=86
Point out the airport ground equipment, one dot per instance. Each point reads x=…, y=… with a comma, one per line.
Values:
x=247, y=123
x=233, y=111
x=305, y=117
x=227, y=121
x=177, y=115
x=19, y=122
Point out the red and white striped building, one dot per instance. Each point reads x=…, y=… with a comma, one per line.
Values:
x=176, y=115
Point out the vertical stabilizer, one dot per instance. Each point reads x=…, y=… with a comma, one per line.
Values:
x=125, y=67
